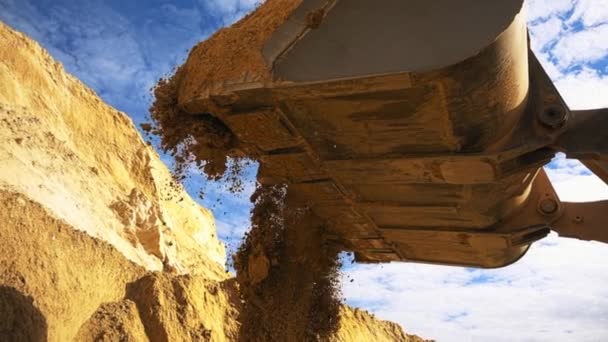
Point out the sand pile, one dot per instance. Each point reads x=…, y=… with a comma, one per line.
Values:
x=97, y=243
x=87, y=210
x=59, y=284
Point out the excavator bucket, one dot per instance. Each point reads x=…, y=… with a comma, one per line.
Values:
x=416, y=129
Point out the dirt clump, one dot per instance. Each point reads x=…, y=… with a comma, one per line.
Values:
x=200, y=139
x=59, y=284
x=287, y=271
x=359, y=325
x=53, y=272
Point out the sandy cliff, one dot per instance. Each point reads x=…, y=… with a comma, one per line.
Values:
x=84, y=161
x=96, y=242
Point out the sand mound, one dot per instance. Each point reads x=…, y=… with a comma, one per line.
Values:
x=359, y=325
x=62, y=284
x=64, y=273
x=83, y=160
x=96, y=242
x=185, y=308
x=113, y=322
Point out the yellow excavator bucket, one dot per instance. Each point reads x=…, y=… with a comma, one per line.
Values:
x=416, y=129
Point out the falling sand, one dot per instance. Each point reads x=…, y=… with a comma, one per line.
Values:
x=286, y=269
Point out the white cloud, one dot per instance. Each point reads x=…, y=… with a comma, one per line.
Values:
x=582, y=189
x=554, y=294
x=119, y=55
x=230, y=10
x=568, y=36
x=231, y=6
x=101, y=50
x=590, y=12
x=585, y=46
x=585, y=89
x=574, y=182
x=545, y=33
x=543, y=9
x=561, y=169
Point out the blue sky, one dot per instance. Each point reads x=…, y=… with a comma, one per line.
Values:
x=557, y=292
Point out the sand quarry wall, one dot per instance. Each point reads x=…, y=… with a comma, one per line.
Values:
x=96, y=243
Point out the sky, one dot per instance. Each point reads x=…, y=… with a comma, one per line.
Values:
x=557, y=292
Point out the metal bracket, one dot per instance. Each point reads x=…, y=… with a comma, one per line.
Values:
x=586, y=139
x=582, y=135
x=584, y=221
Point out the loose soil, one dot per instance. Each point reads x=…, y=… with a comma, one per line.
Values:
x=208, y=70
x=200, y=139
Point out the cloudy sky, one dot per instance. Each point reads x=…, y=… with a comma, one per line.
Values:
x=557, y=292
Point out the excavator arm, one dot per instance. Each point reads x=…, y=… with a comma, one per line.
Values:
x=585, y=139
x=579, y=134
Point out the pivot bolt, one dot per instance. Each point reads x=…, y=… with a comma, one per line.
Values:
x=548, y=206
x=553, y=117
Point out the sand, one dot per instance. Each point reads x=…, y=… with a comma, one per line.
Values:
x=207, y=70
